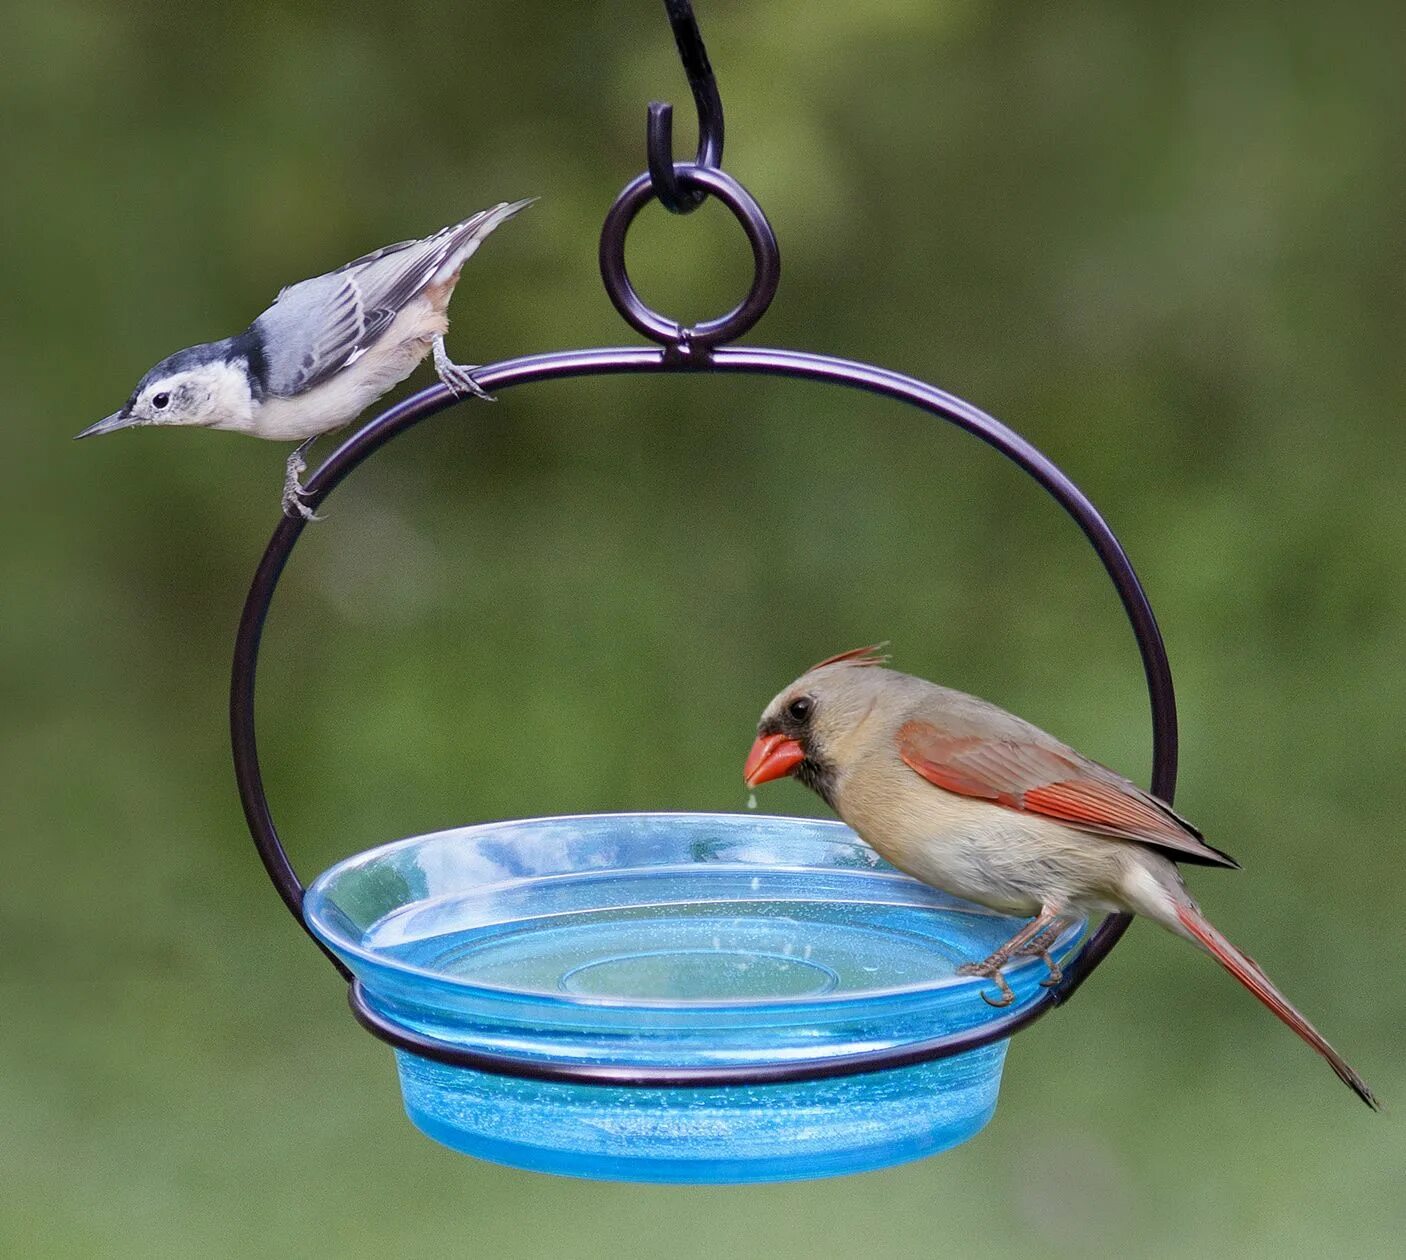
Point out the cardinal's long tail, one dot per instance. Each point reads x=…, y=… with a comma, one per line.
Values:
x=1247, y=971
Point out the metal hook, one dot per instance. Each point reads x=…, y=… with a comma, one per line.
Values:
x=659, y=129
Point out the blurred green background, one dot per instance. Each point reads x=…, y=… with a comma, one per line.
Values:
x=1165, y=242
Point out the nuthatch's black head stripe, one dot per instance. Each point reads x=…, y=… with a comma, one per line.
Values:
x=249, y=346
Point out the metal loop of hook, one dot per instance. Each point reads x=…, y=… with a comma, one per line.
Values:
x=659, y=128
x=766, y=260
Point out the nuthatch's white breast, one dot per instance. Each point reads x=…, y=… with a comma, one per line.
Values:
x=323, y=352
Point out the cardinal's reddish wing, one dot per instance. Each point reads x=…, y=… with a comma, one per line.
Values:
x=1055, y=782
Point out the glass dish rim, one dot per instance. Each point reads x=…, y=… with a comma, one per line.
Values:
x=316, y=896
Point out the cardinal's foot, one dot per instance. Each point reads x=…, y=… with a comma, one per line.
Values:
x=991, y=970
x=1038, y=946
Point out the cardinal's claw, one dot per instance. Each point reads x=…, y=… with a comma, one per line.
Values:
x=1056, y=971
x=990, y=970
x=1007, y=995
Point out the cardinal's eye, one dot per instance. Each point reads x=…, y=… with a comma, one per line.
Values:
x=160, y=400
x=799, y=710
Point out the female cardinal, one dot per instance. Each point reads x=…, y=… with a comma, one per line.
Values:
x=974, y=800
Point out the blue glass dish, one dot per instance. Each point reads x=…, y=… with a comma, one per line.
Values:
x=673, y=940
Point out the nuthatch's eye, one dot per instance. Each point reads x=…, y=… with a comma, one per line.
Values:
x=798, y=710
x=160, y=400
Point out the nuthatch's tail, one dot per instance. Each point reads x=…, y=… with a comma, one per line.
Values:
x=1195, y=926
x=463, y=239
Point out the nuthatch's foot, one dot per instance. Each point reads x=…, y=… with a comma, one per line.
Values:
x=457, y=376
x=293, y=492
x=991, y=970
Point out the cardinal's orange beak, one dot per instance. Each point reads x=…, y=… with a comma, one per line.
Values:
x=772, y=757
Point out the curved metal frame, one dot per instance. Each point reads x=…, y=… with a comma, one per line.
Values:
x=766, y=362
x=683, y=349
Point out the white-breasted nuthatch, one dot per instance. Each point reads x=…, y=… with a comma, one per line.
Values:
x=323, y=352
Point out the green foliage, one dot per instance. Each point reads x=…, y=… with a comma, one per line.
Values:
x=1162, y=241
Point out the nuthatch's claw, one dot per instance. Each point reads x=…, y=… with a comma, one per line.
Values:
x=458, y=377
x=293, y=505
x=460, y=380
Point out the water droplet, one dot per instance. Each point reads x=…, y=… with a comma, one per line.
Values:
x=751, y=800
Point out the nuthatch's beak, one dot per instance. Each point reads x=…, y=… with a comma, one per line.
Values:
x=109, y=424
x=772, y=757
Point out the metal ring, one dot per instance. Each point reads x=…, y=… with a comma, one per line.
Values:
x=743, y=361
x=766, y=261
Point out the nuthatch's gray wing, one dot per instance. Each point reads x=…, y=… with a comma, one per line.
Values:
x=318, y=327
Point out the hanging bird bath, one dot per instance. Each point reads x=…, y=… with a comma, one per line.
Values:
x=721, y=944
x=678, y=997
